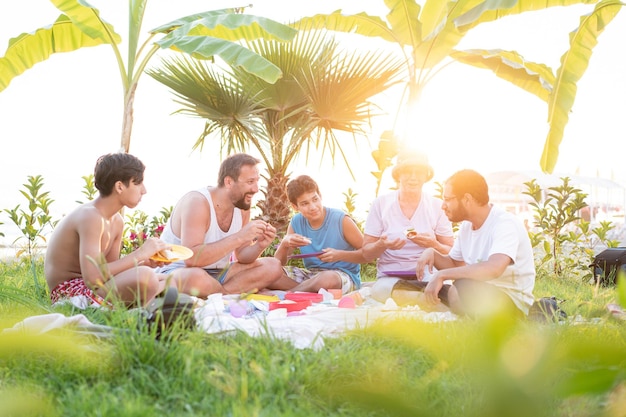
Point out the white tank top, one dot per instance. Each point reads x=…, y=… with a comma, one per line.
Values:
x=214, y=233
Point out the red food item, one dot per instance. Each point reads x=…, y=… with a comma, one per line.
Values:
x=290, y=305
x=304, y=296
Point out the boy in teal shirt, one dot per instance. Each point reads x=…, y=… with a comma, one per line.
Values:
x=329, y=240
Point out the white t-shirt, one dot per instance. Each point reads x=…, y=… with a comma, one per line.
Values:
x=502, y=233
x=386, y=218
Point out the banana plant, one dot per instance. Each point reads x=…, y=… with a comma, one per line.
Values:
x=428, y=36
x=203, y=35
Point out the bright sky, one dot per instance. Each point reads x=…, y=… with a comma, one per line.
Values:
x=58, y=117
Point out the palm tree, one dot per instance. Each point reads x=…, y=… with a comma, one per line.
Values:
x=428, y=35
x=202, y=35
x=323, y=91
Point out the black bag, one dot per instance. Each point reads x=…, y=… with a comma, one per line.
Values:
x=169, y=310
x=608, y=265
x=547, y=309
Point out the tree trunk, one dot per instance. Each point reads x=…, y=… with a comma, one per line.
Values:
x=127, y=120
x=276, y=207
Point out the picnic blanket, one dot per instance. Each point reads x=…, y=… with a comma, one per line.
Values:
x=307, y=328
x=311, y=326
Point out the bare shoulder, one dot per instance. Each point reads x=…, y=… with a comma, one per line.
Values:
x=85, y=213
x=192, y=202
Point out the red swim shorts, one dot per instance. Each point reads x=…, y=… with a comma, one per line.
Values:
x=76, y=287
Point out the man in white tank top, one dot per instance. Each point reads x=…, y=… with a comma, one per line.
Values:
x=214, y=222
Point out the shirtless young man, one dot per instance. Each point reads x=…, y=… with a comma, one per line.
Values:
x=83, y=255
x=215, y=223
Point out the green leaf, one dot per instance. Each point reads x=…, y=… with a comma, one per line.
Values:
x=135, y=18
x=87, y=19
x=574, y=63
x=29, y=49
x=485, y=8
x=182, y=21
x=209, y=34
x=471, y=18
x=235, y=27
x=403, y=18
x=233, y=54
x=535, y=78
x=361, y=24
x=435, y=49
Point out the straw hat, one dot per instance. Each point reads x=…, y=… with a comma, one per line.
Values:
x=412, y=160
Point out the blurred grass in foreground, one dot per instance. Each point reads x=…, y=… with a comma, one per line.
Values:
x=401, y=368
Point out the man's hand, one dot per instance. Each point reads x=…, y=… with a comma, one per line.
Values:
x=427, y=258
x=257, y=230
x=431, y=292
x=267, y=236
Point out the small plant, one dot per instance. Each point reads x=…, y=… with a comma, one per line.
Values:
x=89, y=189
x=387, y=150
x=139, y=227
x=564, y=240
x=35, y=222
x=350, y=206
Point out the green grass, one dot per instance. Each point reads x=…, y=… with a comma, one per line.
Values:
x=406, y=368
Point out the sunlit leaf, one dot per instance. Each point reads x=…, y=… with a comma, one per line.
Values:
x=29, y=49
x=137, y=8
x=232, y=53
x=489, y=14
x=87, y=19
x=574, y=63
x=433, y=17
x=535, y=78
x=361, y=24
x=403, y=18
x=235, y=27
x=181, y=21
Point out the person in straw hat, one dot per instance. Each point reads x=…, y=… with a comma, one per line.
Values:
x=403, y=223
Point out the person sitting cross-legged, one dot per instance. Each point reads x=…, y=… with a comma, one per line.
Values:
x=83, y=260
x=329, y=233
x=491, y=263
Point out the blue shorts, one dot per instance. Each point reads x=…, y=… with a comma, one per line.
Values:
x=302, y=274
x=217, y=273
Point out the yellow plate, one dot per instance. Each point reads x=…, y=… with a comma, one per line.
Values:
x=177, y=253
x=262, y=297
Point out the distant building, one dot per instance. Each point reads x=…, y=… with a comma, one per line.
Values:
x=606, y=198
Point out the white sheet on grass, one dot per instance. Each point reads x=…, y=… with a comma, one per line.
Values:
x=316, y=323
x=307, y=330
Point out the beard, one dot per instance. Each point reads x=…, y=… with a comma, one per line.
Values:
x=241, y=203
x=457, y=215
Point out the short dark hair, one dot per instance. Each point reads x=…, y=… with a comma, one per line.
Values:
x=470, y=182
x=300, y=185
x=231, y=166
x=114, y=167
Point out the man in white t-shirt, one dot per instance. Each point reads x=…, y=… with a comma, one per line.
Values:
x=491, y=262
